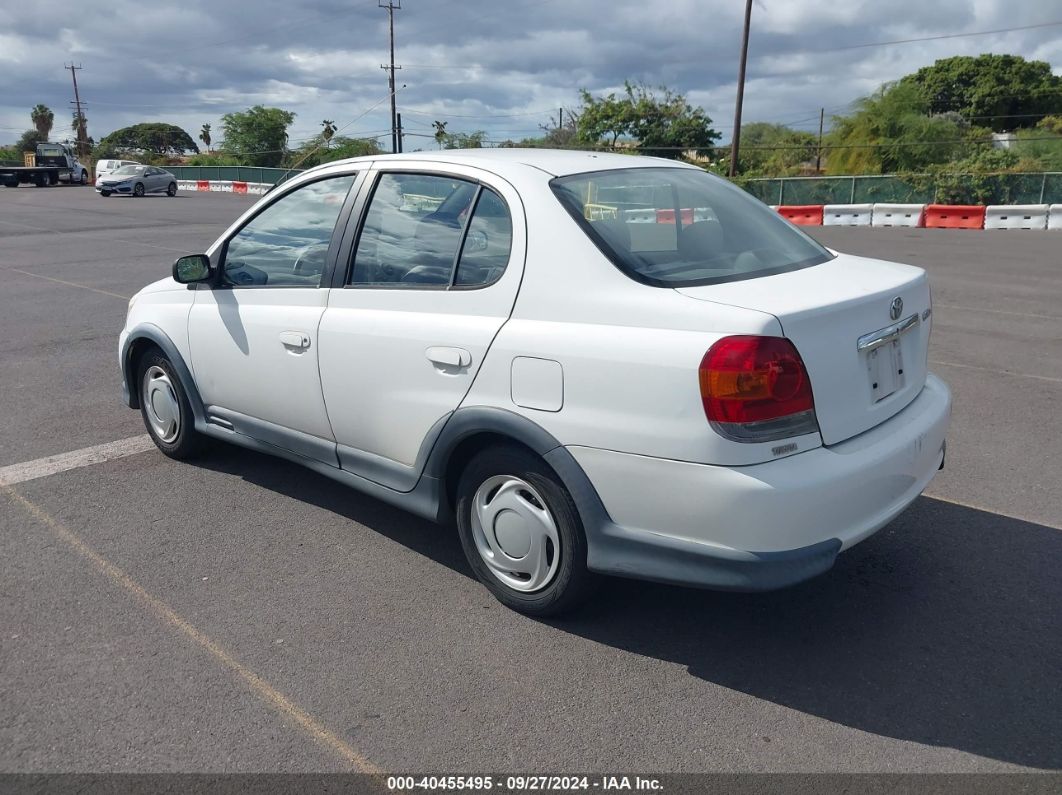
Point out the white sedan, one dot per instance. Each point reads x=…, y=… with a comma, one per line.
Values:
x=587, y=363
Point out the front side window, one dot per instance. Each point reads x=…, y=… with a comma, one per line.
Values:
x=680, y=227
x=286, y=245
x=432, y=231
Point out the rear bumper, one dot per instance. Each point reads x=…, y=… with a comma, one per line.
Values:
x=764, y=526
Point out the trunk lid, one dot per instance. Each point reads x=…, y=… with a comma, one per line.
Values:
x=866, y=360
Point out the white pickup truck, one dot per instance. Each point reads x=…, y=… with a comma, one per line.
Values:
x=53, y=163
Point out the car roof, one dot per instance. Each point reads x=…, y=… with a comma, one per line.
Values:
x=556, y=162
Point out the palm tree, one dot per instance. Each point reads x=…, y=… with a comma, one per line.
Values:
x=328, y=131
x=204, y=135
x=42, y=118
x=440, y=132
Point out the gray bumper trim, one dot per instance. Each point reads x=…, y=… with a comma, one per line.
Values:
x=625, y=552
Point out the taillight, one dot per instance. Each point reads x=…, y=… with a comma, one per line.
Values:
x=756, y=389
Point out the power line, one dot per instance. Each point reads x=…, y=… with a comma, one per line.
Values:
x=934, y=38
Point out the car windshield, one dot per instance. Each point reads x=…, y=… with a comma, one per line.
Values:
x=129, y=171
x=680, y=227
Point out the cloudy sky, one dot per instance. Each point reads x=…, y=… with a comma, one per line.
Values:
x=502, y=66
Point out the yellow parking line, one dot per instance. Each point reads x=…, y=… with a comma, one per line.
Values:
x=68, y=284
x=168, y=615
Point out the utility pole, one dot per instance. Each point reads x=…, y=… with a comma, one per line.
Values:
x=736, y=141
x=391, y=7
x=80, y=118
x=399, y=115
x=818, y=150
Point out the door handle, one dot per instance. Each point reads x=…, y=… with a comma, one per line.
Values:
x=449, y=357
x=295, y=339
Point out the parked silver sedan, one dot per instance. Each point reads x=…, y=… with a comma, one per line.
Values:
x=138, y=181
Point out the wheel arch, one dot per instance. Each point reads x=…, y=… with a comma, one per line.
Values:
x=141, y=339
x=475, y=428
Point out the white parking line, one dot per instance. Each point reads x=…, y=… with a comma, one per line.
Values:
x=87, y=456
x=1048, y=378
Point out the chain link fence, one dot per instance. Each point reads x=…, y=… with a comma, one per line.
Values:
x=1006, y=188
x=269, y=176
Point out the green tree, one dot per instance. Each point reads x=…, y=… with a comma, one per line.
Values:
x=472, y=140
x=664, y=125
x=28, y=142
x=1052, y=125
x=315, y=151
x=43, y=119
x=1039, y=149
x=774, y=150
x=204, y=136
x=892, y=131
x=1002, y=92
x=258, y=135
x=152, y=138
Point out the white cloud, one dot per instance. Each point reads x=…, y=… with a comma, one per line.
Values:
x=501, y=67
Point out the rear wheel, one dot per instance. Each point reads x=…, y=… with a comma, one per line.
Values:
x=521, y=532
x=171, y=189
x=40, y=180
x=84, y=177
x=138, y=189
x=165, y=408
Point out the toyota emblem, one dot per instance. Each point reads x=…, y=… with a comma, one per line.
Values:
x=896, y=308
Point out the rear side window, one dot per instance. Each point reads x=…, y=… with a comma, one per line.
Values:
x=432, y=232
x=680, y=227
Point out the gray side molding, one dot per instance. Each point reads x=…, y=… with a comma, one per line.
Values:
x=158, y=336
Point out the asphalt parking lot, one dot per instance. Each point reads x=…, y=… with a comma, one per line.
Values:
x=243, y=614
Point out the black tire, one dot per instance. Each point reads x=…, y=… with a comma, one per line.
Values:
x=53, y=178
x=40, y=180
x=84, y=177
x=171, y=189
x=138, y=189
x=105, y=193
x=572, y=582
x=188, y=442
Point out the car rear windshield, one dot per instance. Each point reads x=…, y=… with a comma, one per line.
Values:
x=680, y=227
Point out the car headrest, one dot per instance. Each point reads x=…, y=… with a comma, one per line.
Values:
x=701, y=240
x=614, y=232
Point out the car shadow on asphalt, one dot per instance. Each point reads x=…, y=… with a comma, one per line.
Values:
x=944, y=629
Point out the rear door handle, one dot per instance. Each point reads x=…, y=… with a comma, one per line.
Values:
x=449, y=357
x=295, y=339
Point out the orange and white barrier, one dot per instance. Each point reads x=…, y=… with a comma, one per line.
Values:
x=802, y=214
x=911, y=215
x=847, y=214
x=955, y=216
x=1016, y=216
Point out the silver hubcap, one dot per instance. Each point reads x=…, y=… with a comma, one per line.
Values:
x=161, y=404
x=515, y=534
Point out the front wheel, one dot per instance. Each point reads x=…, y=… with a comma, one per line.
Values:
x=105, y=193
x=138, y=189
x=165, y=408
x=171, y=189
x=521, y=532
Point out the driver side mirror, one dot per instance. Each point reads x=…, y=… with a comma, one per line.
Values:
x=191, y=269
